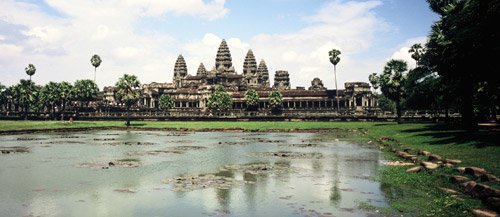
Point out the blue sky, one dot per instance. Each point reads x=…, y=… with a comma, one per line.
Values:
x=144, y=37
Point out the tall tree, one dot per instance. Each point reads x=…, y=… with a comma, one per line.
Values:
x=96, y=62
x=461, y=47
x=30, y=70
x=220, y=100
x=335, y=59
x=392, y=82
x=3, y=96
x=86, y=91
x=252, y=99
x=166, y=102
x=128, y=92
x=67, y=94
x=24, y=94
x=50, y=96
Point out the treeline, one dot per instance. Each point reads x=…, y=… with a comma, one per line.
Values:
x=456, y=68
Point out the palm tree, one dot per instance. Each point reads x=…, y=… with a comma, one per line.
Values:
x=96, y=62
x=128, y=92
x=392, y=82
x=335, y=59
x=416, y=51
x=30, y=70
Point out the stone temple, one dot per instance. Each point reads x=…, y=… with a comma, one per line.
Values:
x=191, y=92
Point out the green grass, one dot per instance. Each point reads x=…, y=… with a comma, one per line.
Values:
x=414, y=193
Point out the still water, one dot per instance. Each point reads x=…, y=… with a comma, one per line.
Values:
x=79, y=174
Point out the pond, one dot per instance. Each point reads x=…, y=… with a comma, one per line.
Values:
x=161, y=173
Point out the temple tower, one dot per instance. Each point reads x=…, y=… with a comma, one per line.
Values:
x=180, y=71
x=317, y=84
x=281, y=80
x=201, y=70
x=263, y=74
x=223, y=61
x=250, y=70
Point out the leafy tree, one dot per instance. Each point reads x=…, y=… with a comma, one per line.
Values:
x=335, y=59
x=85, y=91
x=275, y=100
x=252, y=99
x=385, y=104
x=24, y=94
x=30, y=70
x=461, y=47
x=128, y=92
x=96, y=62
x=50, y=96
x=166, y=102
x=67, y=94
x=220, y=100
x=416, y=51
x=392, y=82
x=3, y=96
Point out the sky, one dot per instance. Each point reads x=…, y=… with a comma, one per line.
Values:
x=144, y=37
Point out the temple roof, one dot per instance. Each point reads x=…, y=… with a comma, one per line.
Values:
x=249, y=65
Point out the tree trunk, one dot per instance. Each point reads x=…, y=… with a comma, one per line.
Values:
x=63, y=107
x=26, y=111
x=398, y=111
x=469, y=121
x=128, y=116
x=336, y=89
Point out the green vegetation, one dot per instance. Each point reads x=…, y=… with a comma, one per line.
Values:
x=220, y=100
x=416, y=193
x=252, y=99
x=85, y=91
x=392, y=82
x=335, y=59
x=128, y=92
x=454, y=66
x=30, y=70
x=166, y=102
x=275, y=100
x=96, y=62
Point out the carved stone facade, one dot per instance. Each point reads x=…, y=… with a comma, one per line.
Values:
x=191, y=92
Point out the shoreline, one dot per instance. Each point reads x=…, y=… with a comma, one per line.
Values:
x=174, y=129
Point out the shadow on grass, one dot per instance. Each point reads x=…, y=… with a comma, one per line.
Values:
x=445, y=134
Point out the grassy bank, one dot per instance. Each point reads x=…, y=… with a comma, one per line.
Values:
x=416, y=193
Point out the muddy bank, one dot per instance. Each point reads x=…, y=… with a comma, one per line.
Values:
x=177, y=131
x=14, y=150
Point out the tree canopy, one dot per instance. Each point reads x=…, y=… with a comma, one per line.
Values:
x=166, y=102
x=220, y=99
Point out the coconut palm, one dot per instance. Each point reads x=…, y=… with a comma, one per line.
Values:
x=335, y=59
x=30, y=70
x=96, y=62
x=128, y=92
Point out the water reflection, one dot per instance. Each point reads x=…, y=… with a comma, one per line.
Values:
x=49, y=182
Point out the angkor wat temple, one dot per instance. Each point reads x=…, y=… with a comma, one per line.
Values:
x=191, y=92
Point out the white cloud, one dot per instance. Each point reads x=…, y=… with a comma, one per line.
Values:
x=403, y=54
x=61, y=46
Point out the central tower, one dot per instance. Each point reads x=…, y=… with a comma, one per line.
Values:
x=223, y=61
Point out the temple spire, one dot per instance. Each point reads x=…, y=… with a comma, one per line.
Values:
x=223, y=58
x=180, y=70
x=201, y=70
x=249, y=65
x=263, y=73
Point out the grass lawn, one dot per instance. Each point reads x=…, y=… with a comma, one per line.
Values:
x=415, y=193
